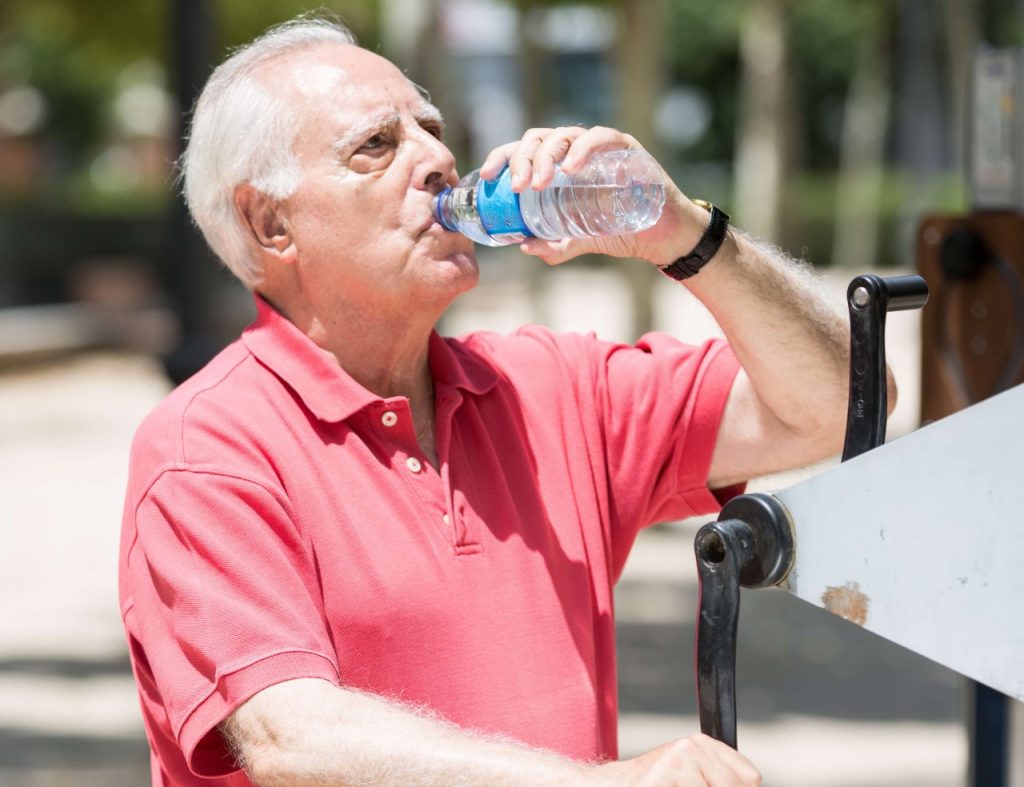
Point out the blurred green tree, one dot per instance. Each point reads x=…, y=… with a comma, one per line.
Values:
x=79, y=56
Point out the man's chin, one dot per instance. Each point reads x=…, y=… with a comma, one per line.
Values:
x=468, y=269
x=463, y=261
x=466, y=258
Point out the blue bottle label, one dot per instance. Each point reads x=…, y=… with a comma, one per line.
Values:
x=498, y=207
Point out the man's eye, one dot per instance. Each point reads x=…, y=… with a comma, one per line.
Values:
x=375, y=142
x=435, y=131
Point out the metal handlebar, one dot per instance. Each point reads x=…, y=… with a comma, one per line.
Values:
x=751, y=544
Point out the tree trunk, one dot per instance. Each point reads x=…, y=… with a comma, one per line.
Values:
x=640, y=49
x=411, y=30
x=534, y=71
x=533, y=63
x=961, y=29
x=862, y=156
x=924, y=140
x=763, y=148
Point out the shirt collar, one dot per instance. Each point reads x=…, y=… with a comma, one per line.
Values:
x=329, y=391
x=452, y=363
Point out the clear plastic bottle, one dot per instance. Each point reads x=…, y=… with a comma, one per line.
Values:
x=614, y=193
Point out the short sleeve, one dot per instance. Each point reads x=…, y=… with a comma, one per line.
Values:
x=224, y=604
x=662, y=406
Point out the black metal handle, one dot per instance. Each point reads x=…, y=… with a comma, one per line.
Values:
x=751, y=545
x=869, y=298
x=722, y=548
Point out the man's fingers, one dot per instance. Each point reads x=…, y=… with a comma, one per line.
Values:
x=496, y=161
x=697, y=761
x=532, y=159
x=520, y=163
x=551, y=151
x=594, y=140
x=686, y=754
x=729, y=760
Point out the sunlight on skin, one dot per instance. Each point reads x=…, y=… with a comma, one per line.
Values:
x=319, y=80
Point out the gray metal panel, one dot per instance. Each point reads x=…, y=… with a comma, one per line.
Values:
x=922, y=541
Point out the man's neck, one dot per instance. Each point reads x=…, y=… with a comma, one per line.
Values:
x=386, y=354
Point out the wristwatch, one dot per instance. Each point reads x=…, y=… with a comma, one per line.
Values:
x=706, y=248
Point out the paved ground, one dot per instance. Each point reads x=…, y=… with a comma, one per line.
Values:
x=821, y=703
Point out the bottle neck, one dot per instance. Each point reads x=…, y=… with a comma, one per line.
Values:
x=442, y=212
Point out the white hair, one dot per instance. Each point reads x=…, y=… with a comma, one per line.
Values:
x=242, y=134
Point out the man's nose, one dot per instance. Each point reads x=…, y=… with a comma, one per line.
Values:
x=437, y=168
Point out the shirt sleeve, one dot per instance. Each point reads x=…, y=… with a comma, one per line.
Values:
x=224, y=604
x=661, y=403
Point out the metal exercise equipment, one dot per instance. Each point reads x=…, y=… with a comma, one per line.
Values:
x=752, y=543
x=972, y=348
x=948, y=494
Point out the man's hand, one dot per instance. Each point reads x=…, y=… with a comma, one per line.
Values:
x=698, y=761
x=532, y=161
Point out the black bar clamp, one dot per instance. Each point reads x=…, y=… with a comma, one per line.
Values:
x=752, y=543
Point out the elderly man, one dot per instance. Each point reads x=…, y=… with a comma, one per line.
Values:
x=357, y=552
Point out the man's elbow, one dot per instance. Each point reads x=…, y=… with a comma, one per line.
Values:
x=830, y=425
x=891, y=391
x=828, y=431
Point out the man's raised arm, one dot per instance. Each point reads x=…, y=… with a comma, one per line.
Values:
x=788, y=405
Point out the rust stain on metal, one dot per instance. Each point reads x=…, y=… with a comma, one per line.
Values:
x=847, y=602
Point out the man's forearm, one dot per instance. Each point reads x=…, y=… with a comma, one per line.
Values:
x=308, y=732
x=791, y=343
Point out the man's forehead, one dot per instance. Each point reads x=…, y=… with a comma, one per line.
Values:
x=325, y=70
x=357, y=79
x=316, y=80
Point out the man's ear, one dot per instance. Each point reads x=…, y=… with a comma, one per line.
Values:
x=266, y=223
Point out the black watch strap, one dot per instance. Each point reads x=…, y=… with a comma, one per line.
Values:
x=706, y=248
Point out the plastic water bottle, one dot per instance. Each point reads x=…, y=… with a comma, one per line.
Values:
x=614, y=193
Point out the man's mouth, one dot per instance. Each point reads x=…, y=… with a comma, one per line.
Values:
x=430, y=224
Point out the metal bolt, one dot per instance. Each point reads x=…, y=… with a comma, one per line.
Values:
x=861, y=297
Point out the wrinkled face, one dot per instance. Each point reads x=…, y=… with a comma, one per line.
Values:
x=370, y=152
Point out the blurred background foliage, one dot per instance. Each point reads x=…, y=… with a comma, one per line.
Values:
x=826, y=126
x=90, y=84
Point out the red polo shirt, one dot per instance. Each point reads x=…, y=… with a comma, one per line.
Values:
x=281, y=522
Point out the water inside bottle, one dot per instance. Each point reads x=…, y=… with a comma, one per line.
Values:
x=585, y=210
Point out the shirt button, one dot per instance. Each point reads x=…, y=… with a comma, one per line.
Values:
x=389, y=418
x=447, y=519
x=413, y=464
